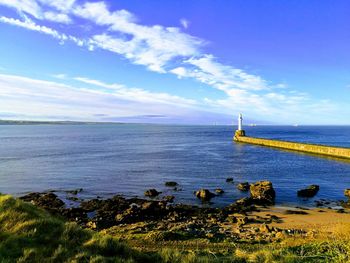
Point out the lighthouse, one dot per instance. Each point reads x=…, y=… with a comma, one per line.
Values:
x=240, y=120
x=239, y=132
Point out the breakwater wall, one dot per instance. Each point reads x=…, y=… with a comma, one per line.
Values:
x=332, y=151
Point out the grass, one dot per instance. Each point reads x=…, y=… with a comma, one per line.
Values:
x=30, y=234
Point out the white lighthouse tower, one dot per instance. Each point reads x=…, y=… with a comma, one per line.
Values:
x=240, y=131
x=240, y=121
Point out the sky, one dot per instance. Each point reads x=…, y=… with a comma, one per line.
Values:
x=182, y=62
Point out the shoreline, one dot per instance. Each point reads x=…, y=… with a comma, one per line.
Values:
x=256, y=235
x=140, y=219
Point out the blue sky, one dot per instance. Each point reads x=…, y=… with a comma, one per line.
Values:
x=281, y=62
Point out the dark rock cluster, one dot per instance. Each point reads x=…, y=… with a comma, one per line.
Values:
x=243, y=186
x=162, y=220
x=310, y=191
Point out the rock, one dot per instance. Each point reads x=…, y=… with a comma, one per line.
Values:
x=48, y=201
x=74, y=192
x=295, y=212
x=72, y=198
x=243, y=186
x=229, y=180
x=171, y=184
x=31, y=196
x=264, y=228
x=242, y=220
x=347, y=193
x=318, y=203
x=246, y=201
x=91, y=225
x=169, y=198
x=76, y=214
x=219, y=191
x=91, y=205
x=152, y=193
x=310, y=191
x=232, y=219
x=262, y=193
x=204, y=194
x=130, y=215
x=274, y=218
x=150, y=208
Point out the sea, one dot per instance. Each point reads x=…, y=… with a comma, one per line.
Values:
x=127, y=159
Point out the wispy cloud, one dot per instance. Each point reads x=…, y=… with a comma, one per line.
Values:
x=59, y=76
x=60, y=5
x=57, y=17
x=35, y=9
x=24, y=6
x=140, y=95
x=163, y=50
x=29, y=24
x=184, y=22
x=26, y=96
x=206, y=70
x=152, y=46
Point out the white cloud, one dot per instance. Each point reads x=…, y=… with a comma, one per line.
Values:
x=283, y=108
x=33, y=8
x=222, y=77
x=61, y=5
x=28, y=6
x=152, y=46
x=26, y=96
x=57, y=17
x=184, y=22
x=59, y=76
x=99, y=13
x=164, y=50
x=140, y=95
x=29, y=24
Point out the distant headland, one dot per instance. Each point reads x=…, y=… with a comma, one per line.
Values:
x=25, y=122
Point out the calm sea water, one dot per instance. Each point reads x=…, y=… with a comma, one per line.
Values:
x=127, y=159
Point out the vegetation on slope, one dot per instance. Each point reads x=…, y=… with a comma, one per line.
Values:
x=30, y=234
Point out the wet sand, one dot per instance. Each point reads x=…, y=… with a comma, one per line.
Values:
x=318, y=219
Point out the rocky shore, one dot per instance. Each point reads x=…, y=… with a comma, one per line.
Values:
x=161, y=220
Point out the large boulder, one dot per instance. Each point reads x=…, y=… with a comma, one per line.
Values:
x=262, y=193
x=152, y=193
x=204, y=194
x=171, y=184
x=243, y=186
x=347, y=193
x=246, y=201
x=48, y=201
x=310, y=191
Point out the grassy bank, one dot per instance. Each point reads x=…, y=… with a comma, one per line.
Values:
x=30, y=234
